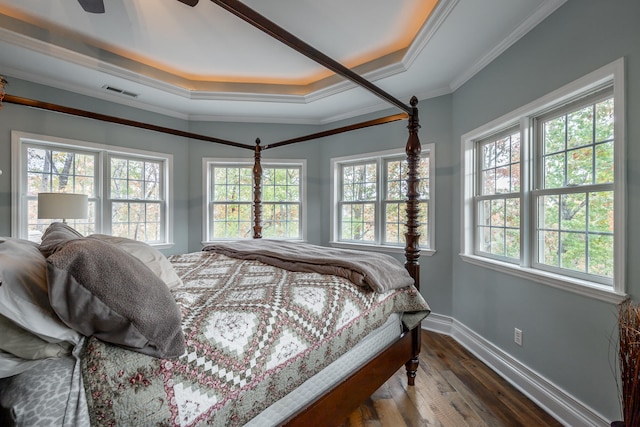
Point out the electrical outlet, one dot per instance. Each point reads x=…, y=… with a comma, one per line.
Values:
x=517, y=336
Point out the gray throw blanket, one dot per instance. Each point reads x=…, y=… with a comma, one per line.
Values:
x=379, y=271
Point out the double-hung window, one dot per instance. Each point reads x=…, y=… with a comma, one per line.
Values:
x=229, y=192
x=544, y=189
x=128, y=190
x=369, y=193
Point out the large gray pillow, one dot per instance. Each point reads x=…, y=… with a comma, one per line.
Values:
x=100, y=290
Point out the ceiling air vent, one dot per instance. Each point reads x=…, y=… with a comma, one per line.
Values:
x=120, y=91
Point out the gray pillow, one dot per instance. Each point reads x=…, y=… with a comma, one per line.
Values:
x=56, y=234
x=100, y=290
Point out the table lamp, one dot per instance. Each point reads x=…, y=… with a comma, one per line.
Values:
x=63, y=206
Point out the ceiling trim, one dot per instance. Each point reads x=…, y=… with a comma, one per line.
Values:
x=428, y=30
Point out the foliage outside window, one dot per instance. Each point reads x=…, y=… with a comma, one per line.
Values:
x=230, y=200
x=544, y=196
x=129, y=201
x=370, y=194
x=575, y=202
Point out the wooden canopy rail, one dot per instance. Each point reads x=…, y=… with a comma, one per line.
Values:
x=342, y=399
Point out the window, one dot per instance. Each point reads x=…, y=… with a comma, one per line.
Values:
x=544, y=196
x=369, y=193
x=136, y=198
x=229, y=195
x=128, y=189
x=498, y=195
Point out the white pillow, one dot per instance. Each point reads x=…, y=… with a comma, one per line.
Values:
x=24, y=294
x=151, y=257
x=24, y=344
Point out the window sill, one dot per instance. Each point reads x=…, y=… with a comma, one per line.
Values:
x=576, y=286
x=378, y=248
x=160, y=246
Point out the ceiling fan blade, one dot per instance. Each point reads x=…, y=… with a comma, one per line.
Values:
x=189, y=2
x=92, y=6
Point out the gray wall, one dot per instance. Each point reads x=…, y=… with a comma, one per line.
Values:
x=567, y=338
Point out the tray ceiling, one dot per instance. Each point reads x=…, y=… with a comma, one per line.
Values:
x=202, y=63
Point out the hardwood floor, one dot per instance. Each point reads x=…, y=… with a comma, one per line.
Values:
x=453, y=388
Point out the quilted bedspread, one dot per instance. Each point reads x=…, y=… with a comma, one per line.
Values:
x=253, y=333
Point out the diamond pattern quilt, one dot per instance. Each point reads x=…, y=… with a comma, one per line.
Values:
x=253, y=333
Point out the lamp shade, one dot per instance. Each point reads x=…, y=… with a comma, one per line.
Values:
x=63, y=206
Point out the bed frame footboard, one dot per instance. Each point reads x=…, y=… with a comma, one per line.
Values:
x=336, y=405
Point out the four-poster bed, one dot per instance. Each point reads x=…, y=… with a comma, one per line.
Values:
x=342, y=398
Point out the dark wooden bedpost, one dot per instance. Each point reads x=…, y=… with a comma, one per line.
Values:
x=257, y=192
x=412, y=236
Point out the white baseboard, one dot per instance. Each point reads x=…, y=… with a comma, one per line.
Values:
x=555, y=401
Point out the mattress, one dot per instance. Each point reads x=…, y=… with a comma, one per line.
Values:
x=52, y=393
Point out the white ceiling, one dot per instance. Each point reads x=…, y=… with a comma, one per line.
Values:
x=203, y=63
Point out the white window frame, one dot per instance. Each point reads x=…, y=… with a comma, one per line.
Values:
x=428, y=151
x=609, y=75
x=208, y=162
x=103, y=152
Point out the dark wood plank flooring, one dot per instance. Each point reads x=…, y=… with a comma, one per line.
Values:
x=453, y=388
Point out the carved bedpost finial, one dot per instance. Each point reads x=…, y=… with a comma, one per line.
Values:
x=257, y=192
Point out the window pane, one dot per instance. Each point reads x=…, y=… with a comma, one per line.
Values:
x=554, y=135
x=358, y=222
x=497, y=241
x=394, y=223
x=484, y=213
x=498, y=213
x=580, y=167
x=573, y=251
x=512, y=243
x=580, y=127
x=601, y=212
x=573, y=212
x=554, y=171
x=601, y=255
x=515, y=178
x=395, y=179
x=549, y=212
x=604, y=120
x=549, y=242
x=118, y=168
x=503, y=179
x=484, y=234
x=604, y=163
x=489, y=182
x=38, y=160
x=513, y=213
x=489, y=156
